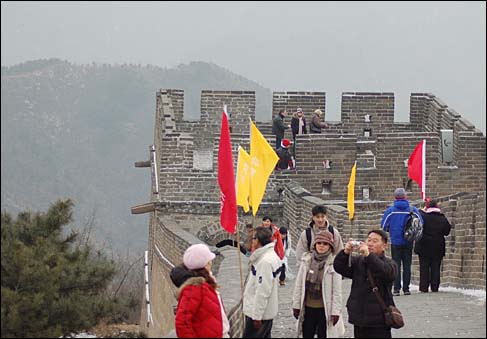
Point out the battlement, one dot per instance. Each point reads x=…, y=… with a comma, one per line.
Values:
x=367, y=133
x=359, y=110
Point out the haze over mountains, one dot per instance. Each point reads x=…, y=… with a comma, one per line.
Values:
x=75, y=131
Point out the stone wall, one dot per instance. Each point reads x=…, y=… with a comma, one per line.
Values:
x=298, y=203
x=311, y=152
x=167, y=249
x=189, y=159
x=290, y=101
x=372, y=112
x=240, y=107
x=464, y=263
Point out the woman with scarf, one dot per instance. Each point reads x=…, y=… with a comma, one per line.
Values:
x=317, y=297
x=431, y=246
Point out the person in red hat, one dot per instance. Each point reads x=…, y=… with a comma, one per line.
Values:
x=285, y=158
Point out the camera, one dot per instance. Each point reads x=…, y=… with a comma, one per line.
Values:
x=355, y=243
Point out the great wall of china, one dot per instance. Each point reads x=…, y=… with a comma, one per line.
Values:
x=184, y=196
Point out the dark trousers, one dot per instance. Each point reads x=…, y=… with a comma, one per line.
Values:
x=314, y=322
x=278, y=142
x=371, y=332
x=429, y=273
x=251, y=332
x=402, y=254
x=282, y=276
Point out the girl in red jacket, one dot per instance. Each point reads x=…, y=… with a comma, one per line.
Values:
x=276, y=236
x=200, y=312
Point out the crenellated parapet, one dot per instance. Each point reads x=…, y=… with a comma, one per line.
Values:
x=366, y=133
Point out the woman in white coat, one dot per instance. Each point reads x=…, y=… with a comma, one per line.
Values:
x=317, y=297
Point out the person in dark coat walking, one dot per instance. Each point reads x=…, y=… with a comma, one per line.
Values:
x=431, y=247
x=364, y=311
x=278, y=127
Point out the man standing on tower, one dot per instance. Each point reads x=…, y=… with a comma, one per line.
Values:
x=278, y=127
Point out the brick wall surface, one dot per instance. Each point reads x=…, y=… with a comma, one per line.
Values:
x=171, y=241
x=464, y=263
x=290, y=101
x=379, y=107
x=380, y=157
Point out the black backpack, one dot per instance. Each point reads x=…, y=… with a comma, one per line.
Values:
x=413, y=229
x=308, y=234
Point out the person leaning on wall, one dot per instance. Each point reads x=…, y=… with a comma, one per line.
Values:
x=316, y=125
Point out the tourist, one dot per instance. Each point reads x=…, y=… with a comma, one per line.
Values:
x=364, y=309
x=200, y=312
x=260, y=301
x=317, y=297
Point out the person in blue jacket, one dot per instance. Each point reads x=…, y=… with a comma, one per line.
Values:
x=393, y=221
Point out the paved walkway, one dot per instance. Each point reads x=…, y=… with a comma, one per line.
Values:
x=431, y=315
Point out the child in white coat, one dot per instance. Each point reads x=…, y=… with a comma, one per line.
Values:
x=286, y=242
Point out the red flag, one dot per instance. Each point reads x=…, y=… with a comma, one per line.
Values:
x=417, y=167
x=226, y=178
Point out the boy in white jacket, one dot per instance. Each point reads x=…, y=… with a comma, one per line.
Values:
x=260, y=301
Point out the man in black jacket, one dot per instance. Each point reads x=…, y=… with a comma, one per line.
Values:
x=364, y=311
x=278, y=127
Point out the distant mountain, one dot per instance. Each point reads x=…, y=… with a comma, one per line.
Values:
x=76, y=130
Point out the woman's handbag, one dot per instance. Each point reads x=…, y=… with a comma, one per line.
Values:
x=392, y=315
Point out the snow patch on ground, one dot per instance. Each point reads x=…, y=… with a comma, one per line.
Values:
x=479, y=294
x=80, y=335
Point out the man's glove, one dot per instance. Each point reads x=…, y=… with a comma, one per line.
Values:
x=257, y=324
x=334, y=319
x=296, y=312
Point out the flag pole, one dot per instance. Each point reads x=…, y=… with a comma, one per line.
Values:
x=239, y=260
x=241, y=273
x=351, y=204
x=350, y=237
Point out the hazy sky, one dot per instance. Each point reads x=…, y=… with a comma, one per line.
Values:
x=330, y=46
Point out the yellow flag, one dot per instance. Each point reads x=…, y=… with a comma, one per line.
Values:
x=263, y=160
x=243, y=179
x=351, y=193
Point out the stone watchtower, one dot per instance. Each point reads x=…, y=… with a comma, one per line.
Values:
x=184, y=200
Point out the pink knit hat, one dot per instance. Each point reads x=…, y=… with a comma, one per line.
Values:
x=197, y=256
